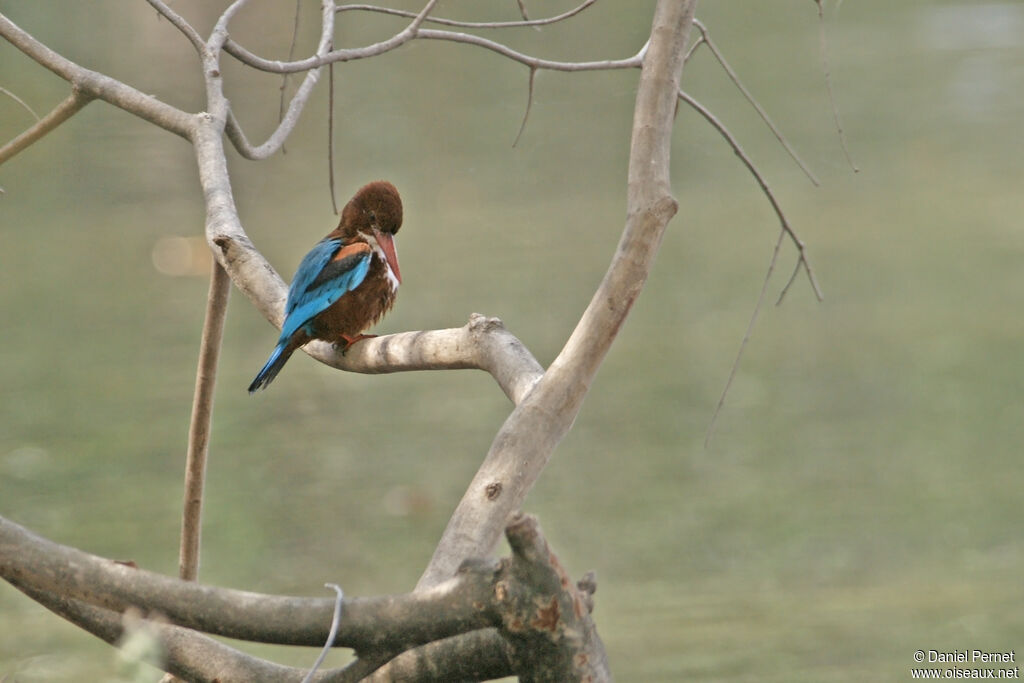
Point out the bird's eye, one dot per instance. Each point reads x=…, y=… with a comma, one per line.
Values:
x=373, y=217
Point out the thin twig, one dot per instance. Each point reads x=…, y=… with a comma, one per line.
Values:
x=522, y=10
x=823, y=45
x=284, y=78
x=335, y=622
x=789, y=282
x=298, y=102
x=199, y=427
x=94, y=85
x=786, y=230
x=746, y=338
x=753, y=102
x=412, y=32
x=342, y=55
x=529, y=103
x=330, y=137
x=693, y=48
x=70, y=106
x=20, y=101
x=633, y=62
x=738, y=150
x=471, y=24
x=179, y=23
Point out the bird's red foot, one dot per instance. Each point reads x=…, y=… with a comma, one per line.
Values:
x=347, y=341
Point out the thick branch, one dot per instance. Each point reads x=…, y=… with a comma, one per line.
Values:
x=389, y=622
x=526, y=440
x=480, y=655
x=190, y=655
x=528, y=597
x=482, y=344
x=96, y=85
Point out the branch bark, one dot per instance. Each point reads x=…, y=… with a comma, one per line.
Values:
x=527, y=439
x=199, y=424
x=98, y=86
x=528, y=598
x=70, y=106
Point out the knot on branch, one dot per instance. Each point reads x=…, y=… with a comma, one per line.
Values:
x=482, y=324
x=544, y=615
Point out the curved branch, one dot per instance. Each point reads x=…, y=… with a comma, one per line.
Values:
x=470, y=24
x=388, y=622
x=412, y=32
x=343, y=55
x=20, y=101
x=734, y=77
x=190, y=655
x=481, y=344
x=529, y=436
x=96, y=85
x=528, y=597
x=534, y=62
x=179, y=23
x=295, y=107
x=738, y=150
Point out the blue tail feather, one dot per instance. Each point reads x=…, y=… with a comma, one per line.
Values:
x=278, y=357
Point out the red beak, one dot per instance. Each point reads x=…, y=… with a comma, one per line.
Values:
x=387, y=244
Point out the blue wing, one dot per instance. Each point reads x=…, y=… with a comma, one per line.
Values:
x=320, y=281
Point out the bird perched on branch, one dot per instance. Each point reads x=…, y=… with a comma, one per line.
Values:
x=346, y=282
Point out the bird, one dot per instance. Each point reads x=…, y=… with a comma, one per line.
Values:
x=346, y=283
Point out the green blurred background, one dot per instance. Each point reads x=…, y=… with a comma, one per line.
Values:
x=861, y=497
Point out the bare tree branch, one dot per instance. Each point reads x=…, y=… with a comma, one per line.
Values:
x=823, y=45
x=179, y=23
x=330, y=137
x=199, y=425
x=522, y=10
x=534, y=62
x=295, y=107
x=284, y=78
x=734, y=77
x=414, y=32
x=527, y=439
x=475, y=656
x=70, y=106
x=342, y=55
x=20, y=101
x=471, y=24
x=189, y=655
x=528, y=597
x=96, y=85
x=738, y=150
x=482, y=344
x=529, y=103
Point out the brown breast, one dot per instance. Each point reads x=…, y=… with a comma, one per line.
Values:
x=359, y=309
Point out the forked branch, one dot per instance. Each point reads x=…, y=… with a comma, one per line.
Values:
x=527, y=597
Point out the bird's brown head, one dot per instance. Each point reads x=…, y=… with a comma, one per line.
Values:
x=375, y=207
x=375, y=213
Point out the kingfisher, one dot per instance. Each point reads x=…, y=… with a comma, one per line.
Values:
x=346, y=283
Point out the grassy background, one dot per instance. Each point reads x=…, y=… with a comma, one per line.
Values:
x=861, y=498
